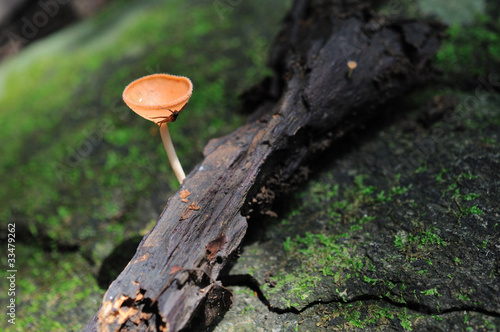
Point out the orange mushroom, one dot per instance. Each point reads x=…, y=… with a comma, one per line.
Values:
x=351, y=65
x=160, y=98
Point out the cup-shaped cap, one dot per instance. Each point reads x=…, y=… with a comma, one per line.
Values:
x=158, y=97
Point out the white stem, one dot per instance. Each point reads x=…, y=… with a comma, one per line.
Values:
x=172, y=156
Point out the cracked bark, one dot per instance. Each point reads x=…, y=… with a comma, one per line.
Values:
x=309, y=103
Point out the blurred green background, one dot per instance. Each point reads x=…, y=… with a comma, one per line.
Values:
x=81, y=173
x=84, y=178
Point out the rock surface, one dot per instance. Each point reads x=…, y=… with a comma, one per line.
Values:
x=399, y=231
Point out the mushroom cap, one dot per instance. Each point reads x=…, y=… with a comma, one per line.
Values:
x=156, y=97
x=352, y=64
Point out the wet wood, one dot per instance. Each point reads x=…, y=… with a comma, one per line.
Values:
x=310, y=102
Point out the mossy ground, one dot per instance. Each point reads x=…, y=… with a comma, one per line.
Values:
x=398, y=230
x=81, y=173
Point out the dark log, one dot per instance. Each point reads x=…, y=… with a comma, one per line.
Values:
x=309, y=103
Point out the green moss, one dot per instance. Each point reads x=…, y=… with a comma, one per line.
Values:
x=48, y=286
x=431, y=292
x=462, y=53
x=454, y=191
x=318, y=256
x=417, y=245
x=313, y=257
x=365, y=315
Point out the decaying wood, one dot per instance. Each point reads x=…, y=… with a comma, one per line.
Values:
x=309, y=103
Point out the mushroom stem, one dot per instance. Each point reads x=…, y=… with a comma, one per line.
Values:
x=172, y=156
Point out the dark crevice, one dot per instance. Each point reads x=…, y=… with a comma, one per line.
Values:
x=246, y=280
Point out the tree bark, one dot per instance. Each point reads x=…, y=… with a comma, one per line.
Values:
x=311, y=101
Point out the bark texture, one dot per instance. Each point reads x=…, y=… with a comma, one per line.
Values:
x=311, y=101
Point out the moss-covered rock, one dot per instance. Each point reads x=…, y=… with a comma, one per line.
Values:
x=407, y=220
